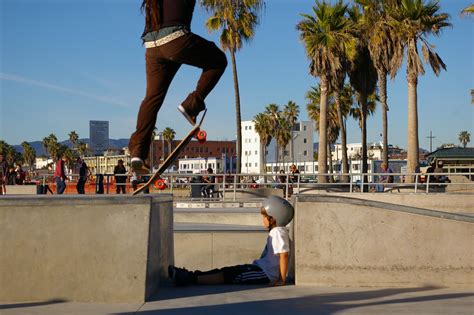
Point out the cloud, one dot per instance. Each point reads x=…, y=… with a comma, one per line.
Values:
x=19, y=79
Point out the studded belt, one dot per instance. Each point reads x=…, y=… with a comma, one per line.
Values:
x=166, y=39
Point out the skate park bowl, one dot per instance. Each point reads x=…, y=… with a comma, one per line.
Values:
x=345, y=241
x=84, y=248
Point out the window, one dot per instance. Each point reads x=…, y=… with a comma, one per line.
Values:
x=256, y=164
x=304, y=140
x=305, y=153
x=256, y=152
x=304, y=128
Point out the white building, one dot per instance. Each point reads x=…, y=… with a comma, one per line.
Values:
x=200, y=165
x=43, y=162
x=354, y=151
x=302, y=141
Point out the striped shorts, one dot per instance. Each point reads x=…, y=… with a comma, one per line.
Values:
x=244, y=274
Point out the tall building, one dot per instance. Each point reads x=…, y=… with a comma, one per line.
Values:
x=98, y=136
x=302, y=143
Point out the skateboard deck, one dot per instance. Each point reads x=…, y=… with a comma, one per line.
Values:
x=170, y=159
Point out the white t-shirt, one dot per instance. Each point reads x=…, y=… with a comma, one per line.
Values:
x=278, y=241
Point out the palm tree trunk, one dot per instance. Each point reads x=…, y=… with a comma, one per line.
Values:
x=292, y=150
x=383, y=99
x=363, y=107
x=412, y=144
x=322, y=150
x=331, y=169
x=262, y=157
x=237, y=113
x=345, y=164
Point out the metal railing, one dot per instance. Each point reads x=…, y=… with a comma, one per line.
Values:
x=229, y=185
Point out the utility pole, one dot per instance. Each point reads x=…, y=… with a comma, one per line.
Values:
x=431, y=137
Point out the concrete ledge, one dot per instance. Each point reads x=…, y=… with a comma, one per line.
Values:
x=209, y=246
x=345, y=241
x=21, y=189
x=242, y=216
x=84, y=248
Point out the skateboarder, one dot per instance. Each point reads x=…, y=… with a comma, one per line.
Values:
x=170, y=43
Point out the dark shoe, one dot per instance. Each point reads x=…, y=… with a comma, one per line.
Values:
x=139, y=166
x=191, y=118
x=191, y=107
x=180, y=276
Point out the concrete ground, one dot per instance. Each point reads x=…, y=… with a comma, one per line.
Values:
x=250, y=300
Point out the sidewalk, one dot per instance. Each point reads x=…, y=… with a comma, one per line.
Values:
x=253, y=300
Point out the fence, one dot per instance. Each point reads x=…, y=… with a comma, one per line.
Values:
x=230, y=184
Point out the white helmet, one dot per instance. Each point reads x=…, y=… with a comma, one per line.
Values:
x=278, y=208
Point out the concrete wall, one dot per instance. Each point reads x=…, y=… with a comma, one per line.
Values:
x=204, y=247
x=342, y=241
x=84, y=248
x=21, y=189
x=448, y=202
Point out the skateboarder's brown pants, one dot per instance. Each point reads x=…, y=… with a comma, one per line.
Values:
x=162, y=63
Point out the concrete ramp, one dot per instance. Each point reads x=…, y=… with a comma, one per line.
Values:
x=84, y=248
x=342, y=241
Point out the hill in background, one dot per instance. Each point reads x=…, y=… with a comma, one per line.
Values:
x=113, y=143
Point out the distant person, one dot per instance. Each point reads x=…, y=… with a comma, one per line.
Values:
x=282, y=180
x=207, y=190
x=3, y=174
x=384, y=179
x=120, y=174
x=20, y=175
x=439, y=177
x=169, y=44
x=272, y=266
x=83, y=175
x=134, y=180
x=60, y=175
x=11, y=177
x=294, y=173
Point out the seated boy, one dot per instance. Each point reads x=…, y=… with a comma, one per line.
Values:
x=271, y=267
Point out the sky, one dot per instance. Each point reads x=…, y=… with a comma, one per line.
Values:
x=66, y=62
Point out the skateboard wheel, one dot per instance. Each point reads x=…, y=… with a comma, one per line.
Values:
x=201, y=136
x=160, y=184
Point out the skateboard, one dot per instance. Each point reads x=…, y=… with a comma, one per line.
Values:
x=155, y=179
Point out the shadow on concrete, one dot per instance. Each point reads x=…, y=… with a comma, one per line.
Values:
x=324, y=304
x=173, y=292
x=31, y=304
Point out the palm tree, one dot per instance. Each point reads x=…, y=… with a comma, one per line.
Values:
x=168, y=136
x=291, y=112
x=52, y=147
x=386, y=52
x=356, y=110
x=273, y=113
x=464, y=138
x=468, y=10
x=314, y=112
x=362, y=75
x=263, y=128
x=73, y=138
x=327, y=42
x=82, y=148
x=413, y=20
x=237, y=20
x=283, y=136
x=29, y=154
